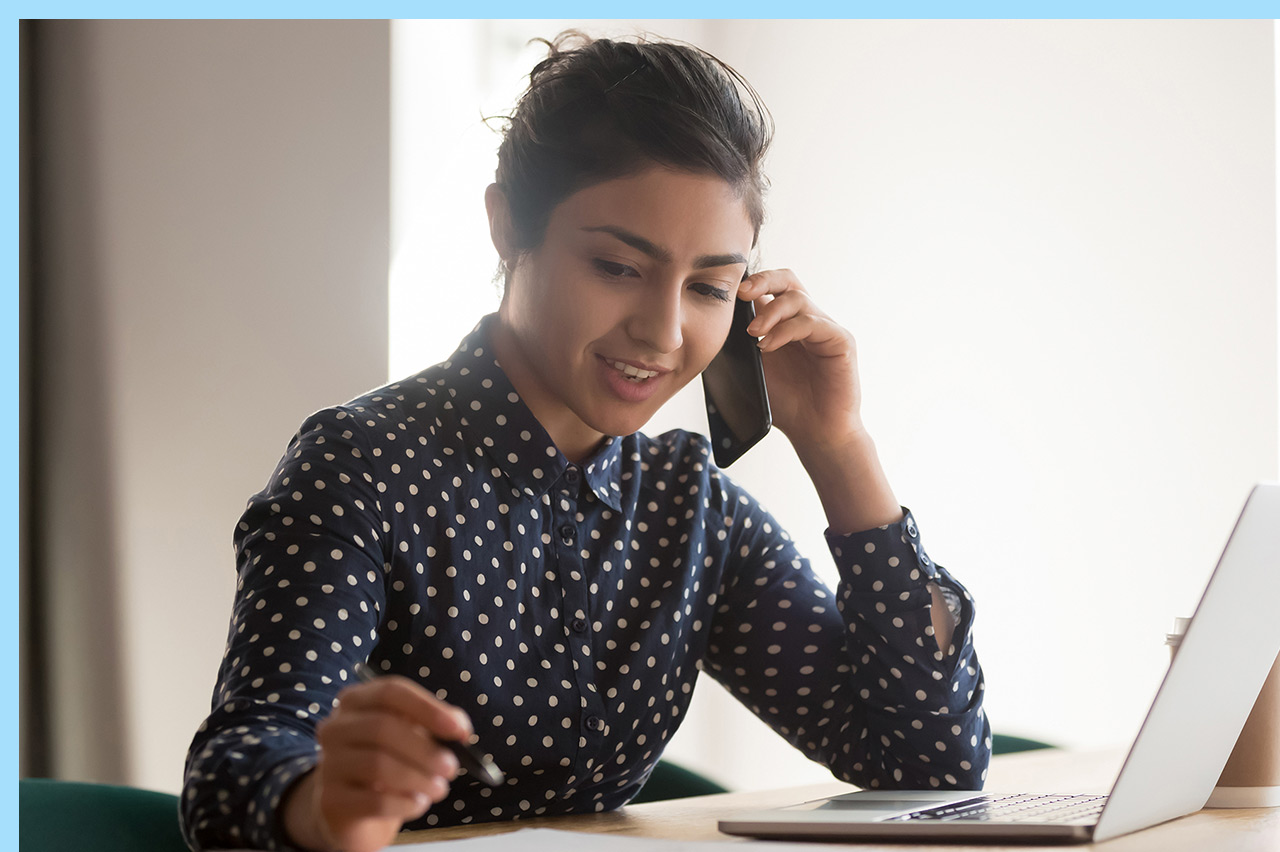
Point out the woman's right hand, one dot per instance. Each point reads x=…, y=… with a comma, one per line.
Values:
x=381, y=764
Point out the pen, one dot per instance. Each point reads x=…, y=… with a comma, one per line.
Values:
x=471, y=758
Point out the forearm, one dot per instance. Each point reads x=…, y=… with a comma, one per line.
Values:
x=301, y=816
x=856, y=496
x=944, y=624
x=219, y=810
x=840, y=673
x=851, y=484
x=892, y=607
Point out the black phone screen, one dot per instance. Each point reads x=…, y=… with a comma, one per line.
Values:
x=733, y=384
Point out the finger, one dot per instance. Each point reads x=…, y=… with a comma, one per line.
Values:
x=779, y=309
x=350, y=803
x=385, y=772
x=411, y=700
x=427, y=758
x=769, y=282
x=382, y=731
x=818, y=334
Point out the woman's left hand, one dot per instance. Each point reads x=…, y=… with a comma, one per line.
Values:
x=810, y=362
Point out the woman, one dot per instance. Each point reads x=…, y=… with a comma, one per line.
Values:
x=496, y=537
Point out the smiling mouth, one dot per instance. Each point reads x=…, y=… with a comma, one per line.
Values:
x=633, y=374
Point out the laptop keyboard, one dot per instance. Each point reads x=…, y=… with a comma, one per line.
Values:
x=1023, y=807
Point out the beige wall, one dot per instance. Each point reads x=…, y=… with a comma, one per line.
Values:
x=216, y=262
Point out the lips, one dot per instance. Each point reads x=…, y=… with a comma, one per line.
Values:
x=631, y=382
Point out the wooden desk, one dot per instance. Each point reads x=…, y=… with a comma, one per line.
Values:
x=1245, y=830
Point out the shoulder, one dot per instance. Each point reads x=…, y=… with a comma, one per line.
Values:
x=679, y=462
x=676, y=446
x=367, y=439
x=410, y=405
x=675, y=456
x=423, y=395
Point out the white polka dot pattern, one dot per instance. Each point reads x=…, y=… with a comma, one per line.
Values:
x=433, y=529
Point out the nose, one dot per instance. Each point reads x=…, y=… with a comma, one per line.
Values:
x=658, y=320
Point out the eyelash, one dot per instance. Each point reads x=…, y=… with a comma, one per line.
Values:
x=714, y=292
x=613, y=270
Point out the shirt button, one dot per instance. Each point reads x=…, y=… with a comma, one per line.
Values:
x=579, y=624
x=595, y=723
x=571, y=475
x=911, y=528
x=566, y=533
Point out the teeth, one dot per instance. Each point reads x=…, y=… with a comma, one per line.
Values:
x=633, y=372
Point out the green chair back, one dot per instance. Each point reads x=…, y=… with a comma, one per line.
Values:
x=672, y=781
x=1008, y=744
x=71, y=816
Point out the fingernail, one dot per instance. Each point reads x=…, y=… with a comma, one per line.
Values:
x=421, y=801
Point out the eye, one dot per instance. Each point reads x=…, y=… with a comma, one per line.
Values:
x=609, y=269
x=712, y=291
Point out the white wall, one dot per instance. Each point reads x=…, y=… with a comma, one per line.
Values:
x=1056, y=245
x=217, y=253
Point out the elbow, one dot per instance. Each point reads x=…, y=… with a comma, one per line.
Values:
x=957, y=760
x=968, y=771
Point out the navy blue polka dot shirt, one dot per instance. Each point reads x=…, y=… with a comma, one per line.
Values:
x=433, y=529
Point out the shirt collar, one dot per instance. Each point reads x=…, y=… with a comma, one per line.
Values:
x=493, y=417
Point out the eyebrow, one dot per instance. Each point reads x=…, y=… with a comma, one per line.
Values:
x=657, y=252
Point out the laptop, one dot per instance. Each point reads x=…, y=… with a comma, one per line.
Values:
x=1173, y=764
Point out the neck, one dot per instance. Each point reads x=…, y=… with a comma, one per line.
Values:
x=567, y=431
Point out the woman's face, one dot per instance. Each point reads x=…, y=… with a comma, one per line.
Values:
x=627, y=299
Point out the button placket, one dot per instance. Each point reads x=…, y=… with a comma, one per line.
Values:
x=567, y=534
x=575, y=583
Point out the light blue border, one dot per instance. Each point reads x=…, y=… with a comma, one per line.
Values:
x=662, y=9
x=9, y=435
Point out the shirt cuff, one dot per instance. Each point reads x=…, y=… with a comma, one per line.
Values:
x=884, y=559
x=267, y=823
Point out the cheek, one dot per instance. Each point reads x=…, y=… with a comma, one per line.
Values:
x=546, y=307
x=705, y=339
x=570, y=321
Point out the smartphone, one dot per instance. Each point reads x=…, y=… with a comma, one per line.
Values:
x=733, y=384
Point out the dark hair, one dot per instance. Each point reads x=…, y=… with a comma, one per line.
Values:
x=602, y=109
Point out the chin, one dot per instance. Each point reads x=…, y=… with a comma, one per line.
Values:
x=620, y=430
x=621, y=426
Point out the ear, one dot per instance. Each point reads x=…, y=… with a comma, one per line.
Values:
x=500, y=227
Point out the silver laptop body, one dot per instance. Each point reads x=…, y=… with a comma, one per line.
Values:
x=1174, y=762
